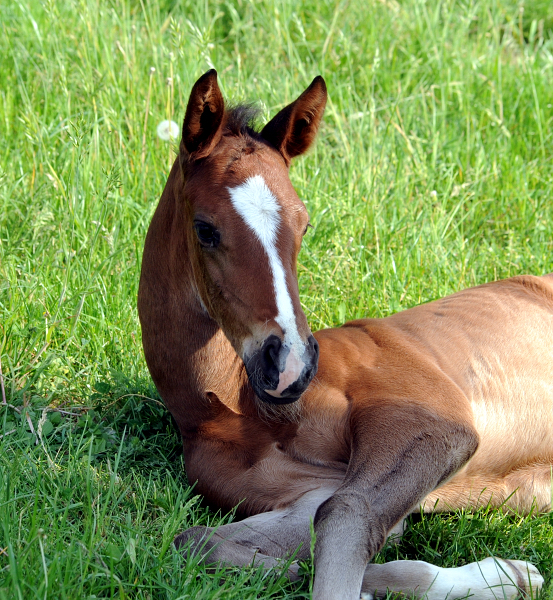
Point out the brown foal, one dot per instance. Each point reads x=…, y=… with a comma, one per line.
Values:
x=444, y=406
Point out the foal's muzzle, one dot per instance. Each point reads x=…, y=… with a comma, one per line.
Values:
x=276, y=372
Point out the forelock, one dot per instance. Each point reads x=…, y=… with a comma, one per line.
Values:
x=240, y=120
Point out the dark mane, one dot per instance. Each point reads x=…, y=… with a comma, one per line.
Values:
x=240, y=120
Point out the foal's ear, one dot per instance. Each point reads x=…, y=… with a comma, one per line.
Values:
x=294, y=128
x=201, y=129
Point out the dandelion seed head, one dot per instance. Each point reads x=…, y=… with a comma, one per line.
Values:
x=168, y=130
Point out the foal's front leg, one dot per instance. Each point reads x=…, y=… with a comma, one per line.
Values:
x=266, y=539
x=489, y=579
x=263, y=540
x=400, y=453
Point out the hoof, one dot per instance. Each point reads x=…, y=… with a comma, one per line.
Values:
x=524, y=575
x=201, y=538
x=529, y=579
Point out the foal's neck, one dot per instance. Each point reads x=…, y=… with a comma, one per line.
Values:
x=209, y=376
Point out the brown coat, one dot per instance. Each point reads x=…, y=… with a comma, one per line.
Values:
x=445, y=405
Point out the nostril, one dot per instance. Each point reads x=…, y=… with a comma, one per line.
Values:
x=270, y=359
x=272, y=351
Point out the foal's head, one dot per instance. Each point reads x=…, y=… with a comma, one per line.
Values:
x=245, y=225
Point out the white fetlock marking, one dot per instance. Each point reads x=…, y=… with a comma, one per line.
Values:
x=489, y=579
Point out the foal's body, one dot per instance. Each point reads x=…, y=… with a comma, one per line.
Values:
x=446, y=405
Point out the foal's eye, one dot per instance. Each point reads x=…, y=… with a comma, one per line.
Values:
x=307, y=227
x=208, y=236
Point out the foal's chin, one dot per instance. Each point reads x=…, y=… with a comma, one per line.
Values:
x=280, y=400
x=290, y=395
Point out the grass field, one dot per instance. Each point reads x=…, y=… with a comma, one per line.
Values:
x=433, y=172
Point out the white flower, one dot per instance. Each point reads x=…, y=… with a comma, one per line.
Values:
x=168, y=130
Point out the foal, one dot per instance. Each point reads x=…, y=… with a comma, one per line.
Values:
x=444, y=406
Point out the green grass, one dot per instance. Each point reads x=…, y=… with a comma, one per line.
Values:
x=433, y=172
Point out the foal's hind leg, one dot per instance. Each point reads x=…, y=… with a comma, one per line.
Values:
x=530, y=488
x=524, y=490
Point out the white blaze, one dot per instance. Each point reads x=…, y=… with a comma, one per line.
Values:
x=257, y=205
